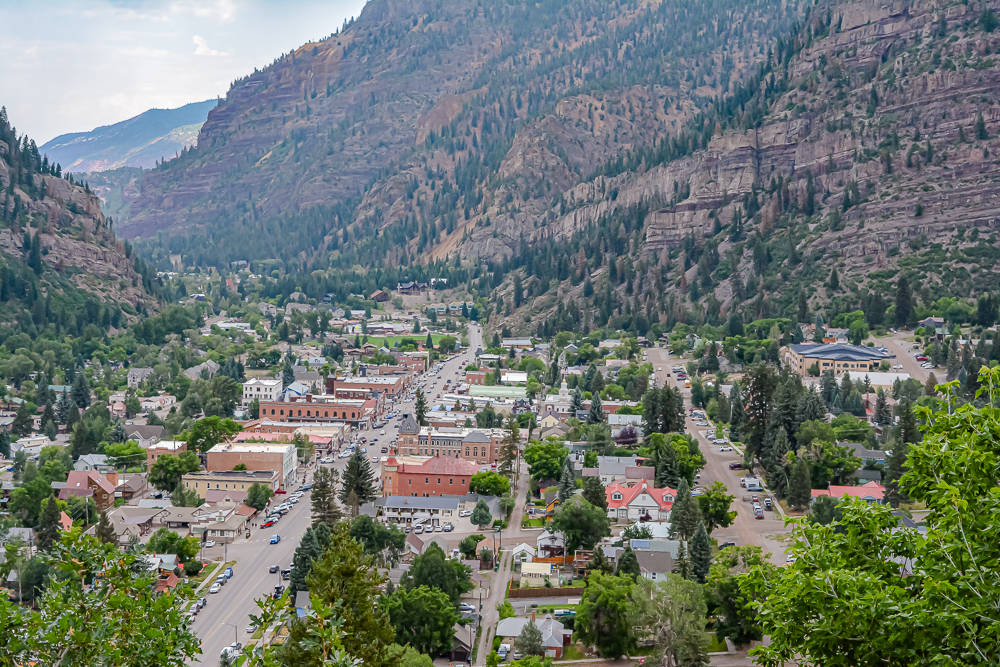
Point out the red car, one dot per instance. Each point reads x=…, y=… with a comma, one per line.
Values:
x=922, y=357
x=267, y=524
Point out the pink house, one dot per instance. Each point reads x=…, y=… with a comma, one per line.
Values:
x=641, y=501
x=872, y=492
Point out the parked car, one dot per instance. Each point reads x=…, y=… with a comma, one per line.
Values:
x=215, y=588
x=275, y=539
x=737, y=466
x=727, y=448
x=418, y=530
x=448, y=527
x=286, y=574
x=209, y=544
x=921, y=357
x=194, y=609
x=767, y=504
x=229, y=573
x=268, y=523
x=727, y=544
x=465, y=606
x=465, y=513
x=251, y=628
x=221, y=580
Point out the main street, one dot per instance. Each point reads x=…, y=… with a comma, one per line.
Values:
x=234, y=603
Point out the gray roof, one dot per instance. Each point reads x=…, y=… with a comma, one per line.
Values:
x=145, y=431
x=415, y=502
x=614, y=465
x=838, y=352
x=476, y=436
x=409, y=425
x=863, y=452
x=655, y=561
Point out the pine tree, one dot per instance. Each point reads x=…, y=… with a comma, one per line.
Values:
x=302, y=562
x=736, y=411
x=682, y=566
x=62, y=408
x=904, y=298
x=420, y=408
x=800, y=486
x=509, y=446
x=429, y=343
x=81, y=391
x=593, y=492
x=701, y=553
x=685, y=513
x=628, y=564
x=883, y=415
x=567, y=482
x=577, y=403
x=953, y=364
x=834, y=280
x=895, y=468
x=287, y=372
x=23, y=422
x=930, y=385
x=667, y=464
x=105, y=531
x=596, y=414
x=359, y=483
x=325, y=509
x=774, y=462
x=48, y=524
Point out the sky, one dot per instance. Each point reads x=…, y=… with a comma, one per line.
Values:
x=73, y=65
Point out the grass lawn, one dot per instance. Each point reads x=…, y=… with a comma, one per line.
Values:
x=574, y=652
x=714, y=645
x=205, y=573
x=531, y=523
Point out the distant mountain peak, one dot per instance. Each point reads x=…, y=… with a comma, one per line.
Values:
x=140, y=141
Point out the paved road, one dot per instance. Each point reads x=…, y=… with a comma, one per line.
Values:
x=251, y=580
x=235, y=602
x=902, y=346
x=498, y=591
x=745, y=529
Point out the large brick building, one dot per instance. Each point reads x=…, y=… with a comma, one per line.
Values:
x=366, y=387
x=425, y=477
x=479, y=445
x=323, y=408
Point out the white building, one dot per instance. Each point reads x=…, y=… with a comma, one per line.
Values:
x=263, y=389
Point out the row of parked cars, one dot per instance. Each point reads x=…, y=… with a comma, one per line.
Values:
x=421, y=528
x=221, y=580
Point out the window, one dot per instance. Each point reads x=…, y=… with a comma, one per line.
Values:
x=616, y=496
x=439, y=480
x=466, y=451
x=409, y=481
x=463, y=482
x=427, y=480
x=451, y=480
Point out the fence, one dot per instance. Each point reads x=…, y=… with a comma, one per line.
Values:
x=540, y=592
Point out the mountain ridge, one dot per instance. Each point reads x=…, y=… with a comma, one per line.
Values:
x=141, y=141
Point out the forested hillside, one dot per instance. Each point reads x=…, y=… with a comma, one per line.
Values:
x=422, y=123
x=61, y=267
x=853, y=171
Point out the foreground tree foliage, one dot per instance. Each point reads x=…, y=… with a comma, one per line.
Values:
x=98, y=609
x=862, y=592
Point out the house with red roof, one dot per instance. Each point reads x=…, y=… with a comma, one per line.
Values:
x=642, y=502
x=90, y=484
x=871, y=493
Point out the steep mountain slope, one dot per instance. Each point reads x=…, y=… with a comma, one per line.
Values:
x=864, y=151
x=61, y=266
x=142, y=141
x=426, y=118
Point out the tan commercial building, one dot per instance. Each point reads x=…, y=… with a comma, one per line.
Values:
x=230, y=480
x=836, y=357
x=255, y=456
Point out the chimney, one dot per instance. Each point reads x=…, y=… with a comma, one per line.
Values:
x=112, y=477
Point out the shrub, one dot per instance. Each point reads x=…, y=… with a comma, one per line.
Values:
x=192, y=568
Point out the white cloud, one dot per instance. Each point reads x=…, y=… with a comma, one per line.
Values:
x=202, y=48
x=223, y=11
x=73, y=65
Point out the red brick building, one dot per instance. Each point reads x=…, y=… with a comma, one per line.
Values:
x=321, y=409
x=436, y=476
x=365, y=387
x=475, y=377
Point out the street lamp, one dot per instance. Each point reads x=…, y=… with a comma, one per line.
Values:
x=235, y=633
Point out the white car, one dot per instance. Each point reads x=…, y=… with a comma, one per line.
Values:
x=293, y=500
x=721, y=441
x=215, y=588
x=898, y=367
x=465, y=513
x=725, y=449
x=209, y=544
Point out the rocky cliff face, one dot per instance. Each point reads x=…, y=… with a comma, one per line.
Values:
x=74, y=237
x=426, y=127
x=893, y=108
